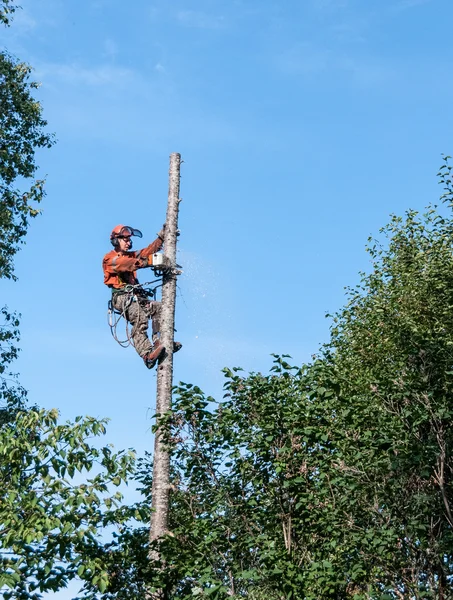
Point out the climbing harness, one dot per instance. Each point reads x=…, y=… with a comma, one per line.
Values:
x=135, y=293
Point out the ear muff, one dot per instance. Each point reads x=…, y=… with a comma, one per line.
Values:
x=123, y=231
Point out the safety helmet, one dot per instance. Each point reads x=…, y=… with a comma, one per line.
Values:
x=123, y=231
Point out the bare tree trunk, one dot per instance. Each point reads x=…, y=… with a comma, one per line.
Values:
x=161, y=470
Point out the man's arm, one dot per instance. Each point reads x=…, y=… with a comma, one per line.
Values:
x=151, y=249
x=115, y=263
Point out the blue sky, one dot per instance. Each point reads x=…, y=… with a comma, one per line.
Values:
x=302, y=126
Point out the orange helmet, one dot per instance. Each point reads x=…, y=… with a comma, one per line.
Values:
x=123, y=231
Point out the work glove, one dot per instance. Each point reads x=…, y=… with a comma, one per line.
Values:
x=161, y=233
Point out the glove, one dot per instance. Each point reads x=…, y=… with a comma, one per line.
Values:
x=161, y=233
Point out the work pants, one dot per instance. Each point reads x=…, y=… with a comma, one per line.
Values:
x=138, y=310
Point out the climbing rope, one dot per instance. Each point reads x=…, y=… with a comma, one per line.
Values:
x=135, y=293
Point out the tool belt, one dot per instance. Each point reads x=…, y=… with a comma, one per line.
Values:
x=131, y=294
x=133, y=289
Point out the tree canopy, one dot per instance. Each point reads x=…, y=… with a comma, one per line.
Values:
x=330, y=480
x=22, y=133
x=51, y=512
x=7, y=9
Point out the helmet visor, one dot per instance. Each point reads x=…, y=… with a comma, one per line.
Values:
x=127, y=231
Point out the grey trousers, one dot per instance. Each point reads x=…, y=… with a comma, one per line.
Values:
x=138, y=310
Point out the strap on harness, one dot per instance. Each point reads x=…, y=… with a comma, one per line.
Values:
x=134, y=292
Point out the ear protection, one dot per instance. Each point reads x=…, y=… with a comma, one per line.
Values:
x=122, y=231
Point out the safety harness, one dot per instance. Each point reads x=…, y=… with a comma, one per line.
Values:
x=135, y=293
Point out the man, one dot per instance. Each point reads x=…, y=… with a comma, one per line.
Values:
x=120, y=272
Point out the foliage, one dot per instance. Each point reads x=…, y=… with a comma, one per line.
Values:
x=12, y=394
x=330, y=480
x=392, y=347
x=50, y=525
x=270, y=491
x=263, y=504
x=22, y=133
x=7, y=9
x=51, y=513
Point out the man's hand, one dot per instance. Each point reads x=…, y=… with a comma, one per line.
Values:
x=161, y=233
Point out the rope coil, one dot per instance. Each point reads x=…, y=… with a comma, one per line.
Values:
x=135, y=293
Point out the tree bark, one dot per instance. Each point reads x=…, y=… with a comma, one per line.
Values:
x=161, y=469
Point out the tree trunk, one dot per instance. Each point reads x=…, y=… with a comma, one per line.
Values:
x=161, y=469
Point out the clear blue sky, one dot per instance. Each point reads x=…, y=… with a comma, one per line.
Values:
x=302, y=125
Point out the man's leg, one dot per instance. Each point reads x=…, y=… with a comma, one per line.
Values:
x=137, y=316
x=155, y=310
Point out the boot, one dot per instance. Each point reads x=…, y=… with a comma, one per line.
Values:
x=152, y=357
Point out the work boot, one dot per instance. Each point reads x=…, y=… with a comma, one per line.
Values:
x=176, y=345
x=152, y=357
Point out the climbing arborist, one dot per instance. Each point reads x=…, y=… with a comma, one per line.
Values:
x=128, y=297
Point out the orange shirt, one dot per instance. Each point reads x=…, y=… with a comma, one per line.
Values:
x=120, y=268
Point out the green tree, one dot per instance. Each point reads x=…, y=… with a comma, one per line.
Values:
x=51, y=526
x=51, y=512
x=392, y=347
x=7, y=9
x=330, y=480
x=22, y=133
x=262, y=502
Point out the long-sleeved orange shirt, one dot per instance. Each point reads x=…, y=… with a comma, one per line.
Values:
x=120, y=268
